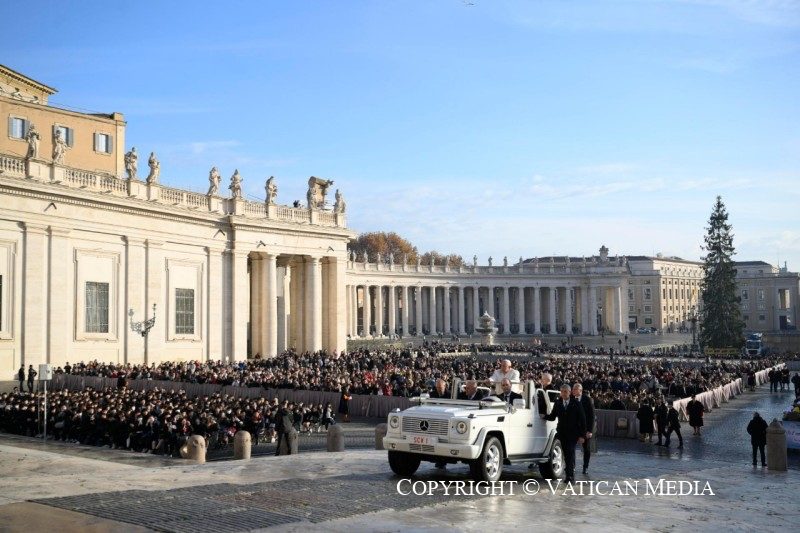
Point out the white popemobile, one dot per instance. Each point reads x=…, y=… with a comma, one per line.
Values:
x=485, y=434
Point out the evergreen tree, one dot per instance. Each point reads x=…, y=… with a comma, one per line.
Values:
x=721, y=325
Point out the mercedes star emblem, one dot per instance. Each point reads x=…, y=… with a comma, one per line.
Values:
x=423, y=425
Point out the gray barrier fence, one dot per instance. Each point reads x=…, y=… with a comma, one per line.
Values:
x=609, y=423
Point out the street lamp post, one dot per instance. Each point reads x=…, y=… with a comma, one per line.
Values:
x=143, y=328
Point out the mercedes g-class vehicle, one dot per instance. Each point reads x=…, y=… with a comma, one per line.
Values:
x=485, y=434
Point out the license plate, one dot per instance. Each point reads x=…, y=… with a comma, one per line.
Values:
x=422, y=440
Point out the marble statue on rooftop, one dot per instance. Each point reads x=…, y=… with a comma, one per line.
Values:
x=59, y=148
x=236, y=185
x=317, y=190
x=474, y=260
x=505, y=261
x=155, y=168
x=272, y=190
x=32, y=136
x=339, y=206
x=213, y=182
x=132, y=163
x=490, y=260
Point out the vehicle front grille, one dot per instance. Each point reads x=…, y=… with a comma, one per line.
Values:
x=421, y=448
x=434, y=426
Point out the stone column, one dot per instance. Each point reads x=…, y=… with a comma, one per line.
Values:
x=568, y=310
x=585, y=325
x=476, y=307
x=367, y=311
x=418, y=309
x=270, y=288
x=379, y=310
x=592, y=310
x=446, y=321
x=537, y=311
x=257, y=301
x=432, y=310
x=392, y=309
x=461, y=311
x=617, y=309
x=552, y=310
x=354, y=318
x=134, y=297
x=521, y=310
x=406, y=310
x=506, y=311
x=154, y=295
x=314, y=304
x=34, y=323
x=59, y=307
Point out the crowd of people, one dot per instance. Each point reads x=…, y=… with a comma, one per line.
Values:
x=614, y=384
x=154, y=421
x=159, y=420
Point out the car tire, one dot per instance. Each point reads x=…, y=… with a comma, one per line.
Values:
x=489, y=465
x=403, y=464
x=554, y=467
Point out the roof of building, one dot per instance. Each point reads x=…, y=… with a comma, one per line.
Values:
x=11, y=73
x=751, y=263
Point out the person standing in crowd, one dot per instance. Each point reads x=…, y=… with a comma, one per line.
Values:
x=660, y=413
x=344, y=405
x=645, y=417
x=284, y=425
x=673, y=424
x=695, y=411
x=587, y=405
x=757, y=428
x=31, y=376
x=21, y=377
x=796, y=383
x=570, y=429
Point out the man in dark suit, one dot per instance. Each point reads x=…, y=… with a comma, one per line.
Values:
x=284, y=424
x=470, y=392
x=673, y=424
x=588, y=412
x=508, y=395
x=661, y=413
x=757, y=428
x=571, y=427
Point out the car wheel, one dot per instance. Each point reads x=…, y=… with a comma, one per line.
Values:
x=554, y=467
x=403, y=464
x=489, y=465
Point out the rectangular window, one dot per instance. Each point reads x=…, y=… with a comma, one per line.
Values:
x=184, y=311
x=648, y=320
x=664, y=294
x=17, y=127
x=96, y=307
x=762, y=306
x=631, y=293
x=761, y=295
x=68, y=134
x=630, y=309
x=103, y=143
x=762, y=318
x=647, y=294
x=744, y=294
x=745, y=306
x=648, y=308
x=746, y=318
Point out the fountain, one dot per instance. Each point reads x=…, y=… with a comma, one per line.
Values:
x=486, y=329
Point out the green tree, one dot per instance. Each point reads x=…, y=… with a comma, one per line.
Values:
x=721, y=324
x=379, y=242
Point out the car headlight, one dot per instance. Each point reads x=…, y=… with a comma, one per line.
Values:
x=394, y=422
x=462, y=427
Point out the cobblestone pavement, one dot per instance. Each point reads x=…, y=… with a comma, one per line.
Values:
x=355, y=490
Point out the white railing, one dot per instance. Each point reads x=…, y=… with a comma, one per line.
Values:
x=255, y=209
x=12, y=165
x=16, y=167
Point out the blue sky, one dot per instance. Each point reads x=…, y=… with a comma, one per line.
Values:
x=498, y=128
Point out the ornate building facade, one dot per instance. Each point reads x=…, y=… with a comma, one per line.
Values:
x=90, y=251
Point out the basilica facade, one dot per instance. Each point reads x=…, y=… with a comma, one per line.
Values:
x=101, y=260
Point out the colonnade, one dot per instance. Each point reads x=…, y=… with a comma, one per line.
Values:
x=454, y=309
x=296, y=301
